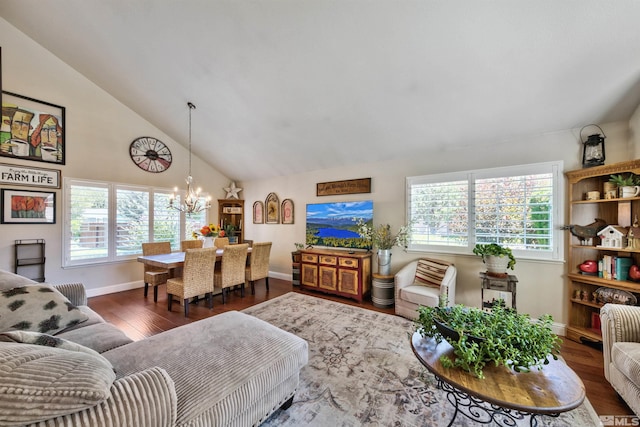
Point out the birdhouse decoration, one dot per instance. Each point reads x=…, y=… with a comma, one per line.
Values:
x=633, y=238
x=613, y=236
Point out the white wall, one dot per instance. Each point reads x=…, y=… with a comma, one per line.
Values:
x=542, y=286
x=98, y=130
x=634, y=138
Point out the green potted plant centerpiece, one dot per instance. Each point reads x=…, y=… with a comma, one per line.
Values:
x=502, y=337
x=497, y=258
x=627, y=185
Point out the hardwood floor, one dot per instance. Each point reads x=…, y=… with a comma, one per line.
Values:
x=139, y=318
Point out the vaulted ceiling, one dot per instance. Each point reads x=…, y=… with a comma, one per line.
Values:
x=288, y=86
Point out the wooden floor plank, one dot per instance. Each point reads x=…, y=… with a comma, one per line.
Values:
x=139, y=318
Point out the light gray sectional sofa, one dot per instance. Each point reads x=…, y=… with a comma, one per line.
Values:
x=74, y=369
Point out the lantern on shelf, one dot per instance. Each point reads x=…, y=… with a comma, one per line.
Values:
x=592, y=148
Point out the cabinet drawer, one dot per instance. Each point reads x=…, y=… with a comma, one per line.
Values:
x=348, y=262
x=497, y=286
x=310, y=258
x=330, y=260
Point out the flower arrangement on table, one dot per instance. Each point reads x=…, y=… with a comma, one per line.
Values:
x=381, y=236
x=211, y=230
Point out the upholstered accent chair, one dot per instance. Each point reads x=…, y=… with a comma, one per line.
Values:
x=155, y=276
x=221, y=242
x=190, y=244
x=232, y=268
x=422, y=283
x=196, y=280
x=621, y=351
x=258, y=267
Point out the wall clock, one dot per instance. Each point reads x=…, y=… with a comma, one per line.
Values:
x=150, y=154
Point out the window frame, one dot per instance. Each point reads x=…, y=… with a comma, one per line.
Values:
x=555, y=168
x=111, y=236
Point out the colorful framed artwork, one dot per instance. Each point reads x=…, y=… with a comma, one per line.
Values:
x=286, y=211
x=29, y=176
x=272, y=205
x=32, y=129
x=28, y=207
x=258, y=212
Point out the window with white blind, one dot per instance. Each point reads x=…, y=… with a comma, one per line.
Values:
x=519, y=207
x=106, y=222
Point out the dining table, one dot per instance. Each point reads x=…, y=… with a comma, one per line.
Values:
x=175, y=260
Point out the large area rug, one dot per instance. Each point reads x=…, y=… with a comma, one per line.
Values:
x=362, y=371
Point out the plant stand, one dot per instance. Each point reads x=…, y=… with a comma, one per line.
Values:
x=498, y=284
x=382, y=288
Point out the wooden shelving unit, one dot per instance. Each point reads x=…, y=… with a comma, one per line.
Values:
x=30, y=258
x=231, y=212
x=619, y=211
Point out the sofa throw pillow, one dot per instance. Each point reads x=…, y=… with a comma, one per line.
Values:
x=46, y=340
x=39, y=382
x=38, y=308
x=430, y=273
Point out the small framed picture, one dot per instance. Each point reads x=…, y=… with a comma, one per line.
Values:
x=272, y=204
x=28, y=207
x=258, y=212
x=286, y=211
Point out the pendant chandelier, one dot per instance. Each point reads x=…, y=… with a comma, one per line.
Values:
x=192, y=202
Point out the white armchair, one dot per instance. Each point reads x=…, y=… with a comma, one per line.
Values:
x=621, y=351
x=421, y=283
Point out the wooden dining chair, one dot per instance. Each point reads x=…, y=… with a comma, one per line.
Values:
x=196, y=280
x=155, y=276
x=232, y=269
x=258, y=265
x=190, y=244
x=221, y=242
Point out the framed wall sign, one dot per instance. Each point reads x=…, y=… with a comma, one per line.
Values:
x=286, y=211
x=258, y=212
x=28, y=207
x=35, y=129
x=272, y=205
x=29, y=176
x=350, y=186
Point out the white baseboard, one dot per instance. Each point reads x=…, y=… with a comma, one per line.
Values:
x=140, y=284
x=114, y=288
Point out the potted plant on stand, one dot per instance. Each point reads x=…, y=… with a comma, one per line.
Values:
x=497, y=258
x=383, y=239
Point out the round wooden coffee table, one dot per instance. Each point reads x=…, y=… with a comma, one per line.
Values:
x=503, y=396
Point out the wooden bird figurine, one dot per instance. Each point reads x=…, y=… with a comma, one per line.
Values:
x=586, y=232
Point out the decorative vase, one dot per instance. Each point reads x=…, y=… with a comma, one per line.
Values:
x=209, y=242
x=384, y=262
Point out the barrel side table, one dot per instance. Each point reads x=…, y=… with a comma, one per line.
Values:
x=382, y=290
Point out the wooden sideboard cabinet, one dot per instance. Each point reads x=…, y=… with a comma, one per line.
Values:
x=336, y=272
